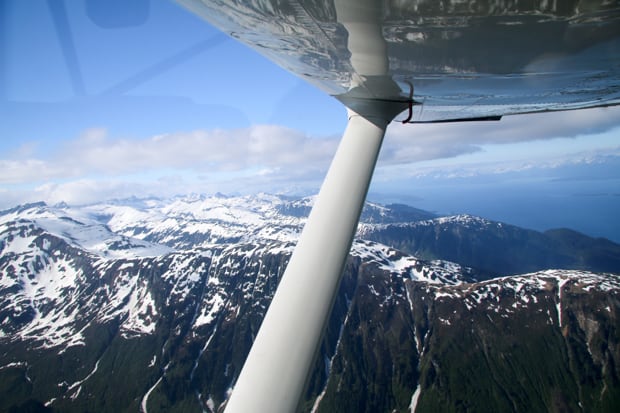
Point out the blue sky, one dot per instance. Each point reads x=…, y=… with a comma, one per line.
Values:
x=163, y=104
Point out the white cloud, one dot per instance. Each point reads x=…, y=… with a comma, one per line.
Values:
x=83, y=191
x=419, y=142
x=28, y=170
x=495, y=170
x=272, y=158
x=269, y=148
x=276, y=150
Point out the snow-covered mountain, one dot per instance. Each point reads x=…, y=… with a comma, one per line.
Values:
x=153, y=304
x=50, y=254
x=79, y=227
x=495, y=248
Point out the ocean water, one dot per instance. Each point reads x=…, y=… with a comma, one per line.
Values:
x=585, y=199
x=593, y=213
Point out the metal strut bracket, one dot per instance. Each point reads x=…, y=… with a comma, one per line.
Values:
x=410, y=103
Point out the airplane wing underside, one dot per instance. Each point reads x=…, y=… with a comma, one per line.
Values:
x=448, y=60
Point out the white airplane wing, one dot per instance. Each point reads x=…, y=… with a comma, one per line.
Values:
x=457, y=59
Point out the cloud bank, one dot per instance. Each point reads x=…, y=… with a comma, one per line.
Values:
x=421, y=142
x=260, y=147
x=270, y=157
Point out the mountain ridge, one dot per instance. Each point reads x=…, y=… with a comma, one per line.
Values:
x=127, y=330
x=168, y=223
x=495, y=248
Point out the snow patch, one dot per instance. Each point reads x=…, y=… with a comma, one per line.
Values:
x=78, y=383
x=414, y=399
x=561, y=284
x=209, y=311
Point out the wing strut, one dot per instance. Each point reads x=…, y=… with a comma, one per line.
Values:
x=274, y=375
x=275, y=372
